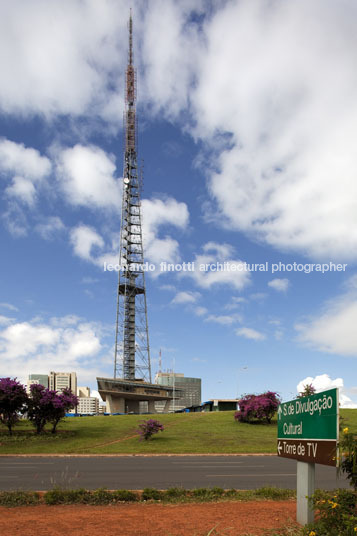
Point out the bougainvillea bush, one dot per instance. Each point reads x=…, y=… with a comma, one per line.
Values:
x=148, y=428
x=46, y=405
x=13, y=398
x=259, y=408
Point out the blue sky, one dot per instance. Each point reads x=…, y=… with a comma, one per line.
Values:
x=247, y=125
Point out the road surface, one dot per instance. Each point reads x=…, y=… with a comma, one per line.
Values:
x=162, y=472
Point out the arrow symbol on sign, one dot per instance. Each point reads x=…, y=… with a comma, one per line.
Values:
x=279, y=448
x=280, y=411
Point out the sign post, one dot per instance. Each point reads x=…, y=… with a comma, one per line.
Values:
x=308, y=432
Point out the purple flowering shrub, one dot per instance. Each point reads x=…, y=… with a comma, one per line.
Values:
x=260, y=408
x=46, y=405
x=13, y=398
x=149, y=427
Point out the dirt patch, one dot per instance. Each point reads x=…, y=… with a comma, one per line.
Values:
x=228, y=518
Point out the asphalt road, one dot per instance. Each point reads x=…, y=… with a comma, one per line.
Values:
x=138, y=472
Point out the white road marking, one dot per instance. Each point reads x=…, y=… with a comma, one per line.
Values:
x=260, y=475
x=200, y=463
x=221, y=466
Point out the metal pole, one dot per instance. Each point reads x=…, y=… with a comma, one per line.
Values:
x=173, y=383
x=305, y=487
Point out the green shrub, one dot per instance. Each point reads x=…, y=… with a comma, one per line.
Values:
x=348, y=454
x=230, y=493
x=19, y=498
x=274, y=493
x=70, y=496
x=102, y=496
x=207, y=493
x=125, y=495
x=151, y=494
x=335, y=512
x=174, y=493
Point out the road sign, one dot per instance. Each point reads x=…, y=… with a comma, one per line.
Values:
x=308, y=428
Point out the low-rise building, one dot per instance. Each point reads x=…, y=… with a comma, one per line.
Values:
x=220, y=404
x=87, y=405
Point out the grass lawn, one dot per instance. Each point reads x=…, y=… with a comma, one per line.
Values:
x=215, y=432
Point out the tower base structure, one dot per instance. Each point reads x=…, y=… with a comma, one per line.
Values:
x=124, y=396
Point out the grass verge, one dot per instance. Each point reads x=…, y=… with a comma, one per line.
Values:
x=185, y=433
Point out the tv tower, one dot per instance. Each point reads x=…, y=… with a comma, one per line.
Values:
x=132, y=351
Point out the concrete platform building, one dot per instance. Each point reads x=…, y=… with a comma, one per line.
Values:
x=127, y=396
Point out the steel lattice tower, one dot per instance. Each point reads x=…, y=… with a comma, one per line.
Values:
x=132, y=352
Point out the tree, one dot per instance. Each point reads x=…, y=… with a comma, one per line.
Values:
x=308, y=390
x=258, y=407
x=46, y=405
x=13, y=398
x=61, y=404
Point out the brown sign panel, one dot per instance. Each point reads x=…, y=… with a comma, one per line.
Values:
x=308, y=450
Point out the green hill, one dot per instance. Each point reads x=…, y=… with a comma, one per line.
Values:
x=184, y=433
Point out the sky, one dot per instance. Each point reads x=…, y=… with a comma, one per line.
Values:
x=247, y=128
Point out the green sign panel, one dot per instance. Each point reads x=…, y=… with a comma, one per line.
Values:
x=311, y=417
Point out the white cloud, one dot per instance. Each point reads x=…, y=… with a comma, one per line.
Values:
x=86, y=175
x=323, y=382
x=217, y=254
x=21, y=339
x=36, y=346
x=284, y=93
x=281, y=285
x=278, y=334
x=95, y=393
x=62, y=58
x=224, y=320
x=25, y=167
x=22, y=189
x=158, y=213
x=168, y=287
x=8, y=306
x=235, y=302
x=84, y=239
x=200, y=311
x=49, y=227
x=15, y=219
x=185, y=297
x=249, y=333
x=5, y=320
x=171, y=62
x=333, y=330
x=273, y=99
x=17, y=159
x=258, y=296
x=89, y=245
